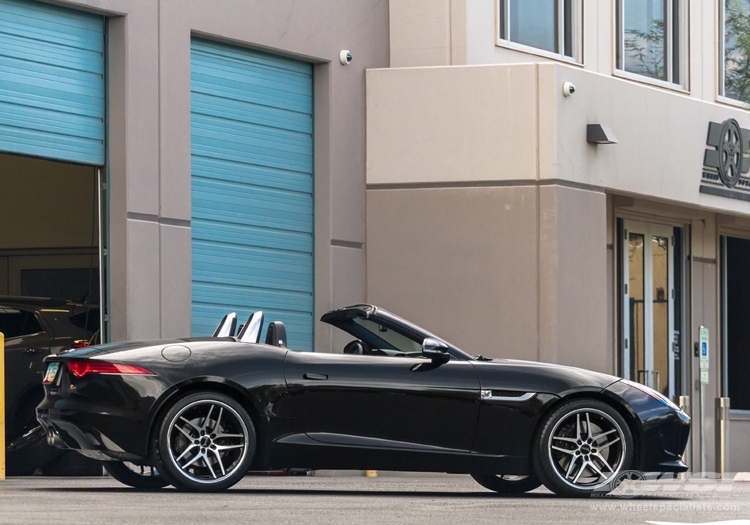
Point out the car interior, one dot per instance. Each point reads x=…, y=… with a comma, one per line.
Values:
x=250, y=331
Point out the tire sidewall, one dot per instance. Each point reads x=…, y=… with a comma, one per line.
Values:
x=495, y=483
x=126, y=476
x=547, y=472
x=173, y=473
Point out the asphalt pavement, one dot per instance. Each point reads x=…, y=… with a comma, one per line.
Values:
x=434, y=500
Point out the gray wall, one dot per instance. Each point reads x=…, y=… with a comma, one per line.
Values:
x=149, y=142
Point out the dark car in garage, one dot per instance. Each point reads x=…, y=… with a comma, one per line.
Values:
x=34, y=328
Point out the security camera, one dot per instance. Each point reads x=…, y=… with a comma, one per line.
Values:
x=568, y=89
x=345, y=57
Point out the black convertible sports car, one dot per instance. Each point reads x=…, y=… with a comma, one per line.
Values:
x=199, y=413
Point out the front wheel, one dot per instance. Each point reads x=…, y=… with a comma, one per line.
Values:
x=136, y=476
x=581, y=447
x=507, y=484
x=206, y=442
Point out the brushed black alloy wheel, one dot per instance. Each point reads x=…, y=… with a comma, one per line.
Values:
x=206, y=442
x=581, y=448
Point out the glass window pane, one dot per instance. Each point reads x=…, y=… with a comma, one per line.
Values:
x=644, y=37
x=534, y=23
x=636, y=306
x=737, y=49
x=659, y=379
x=737, y=289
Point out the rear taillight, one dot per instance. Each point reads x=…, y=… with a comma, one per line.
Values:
x=81, y=368
x=81, y=343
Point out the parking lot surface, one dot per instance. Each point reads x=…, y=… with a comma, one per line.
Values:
x=433, y=500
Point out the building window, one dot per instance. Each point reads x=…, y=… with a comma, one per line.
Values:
x=547, y=25
x=650, y=38
x=734, y=81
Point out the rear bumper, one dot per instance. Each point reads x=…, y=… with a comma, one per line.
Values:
x=88, y=441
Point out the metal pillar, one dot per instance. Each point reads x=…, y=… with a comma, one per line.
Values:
x=684, y=402
x=722, y=434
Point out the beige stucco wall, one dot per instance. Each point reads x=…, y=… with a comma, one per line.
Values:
x=512, y=122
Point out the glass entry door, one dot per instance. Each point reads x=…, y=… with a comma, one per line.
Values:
x=650, y=342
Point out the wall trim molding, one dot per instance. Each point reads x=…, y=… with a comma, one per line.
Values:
x=485, y=184
x=147, y=217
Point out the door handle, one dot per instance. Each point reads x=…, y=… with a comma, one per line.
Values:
x=316, y=377
x=30, y=351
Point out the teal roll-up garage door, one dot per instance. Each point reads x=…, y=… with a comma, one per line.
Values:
x=51, y=82
x=252, y=188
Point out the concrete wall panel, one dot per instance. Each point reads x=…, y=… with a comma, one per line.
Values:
x=460, y=262
x=174, y=240
x=422, y=126
x=144, y=283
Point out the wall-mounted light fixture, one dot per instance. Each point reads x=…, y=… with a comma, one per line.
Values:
x=600, y=134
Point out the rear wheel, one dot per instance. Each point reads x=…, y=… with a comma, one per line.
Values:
x=507, y=484
x=206, y=442
x=581, y=448
x=136, y=476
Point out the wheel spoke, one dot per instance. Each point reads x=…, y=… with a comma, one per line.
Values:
x=218, y=460
x=578, y=426
x=570, y=467
x=218, y=420
x=583, y=467
x=184, y=432
x=563, y=450
x=608, y=432
x=195, y=427
x=210, y=468
x=596, y=469
x=207, y=418
x=229, y=436
x=570, y=440
x=588, y=425
x=184, y=452
x=227, y=447
x=609, y=444
x=604, y=461
x=198, y=456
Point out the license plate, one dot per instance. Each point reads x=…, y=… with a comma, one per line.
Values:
x=51, y=373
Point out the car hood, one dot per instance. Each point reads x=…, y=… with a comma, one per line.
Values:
x=534, y=376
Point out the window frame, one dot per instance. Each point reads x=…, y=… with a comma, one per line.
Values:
x=721, y=62
x=502, y=31
x=682, y=42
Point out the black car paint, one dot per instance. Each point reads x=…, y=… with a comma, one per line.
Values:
x=315, y=410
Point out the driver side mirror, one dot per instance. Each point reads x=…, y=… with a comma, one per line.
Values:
x=436, y=351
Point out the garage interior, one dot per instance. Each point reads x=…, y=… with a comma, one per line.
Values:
x=49, y=231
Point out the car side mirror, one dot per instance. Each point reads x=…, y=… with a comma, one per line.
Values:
x=435, y=350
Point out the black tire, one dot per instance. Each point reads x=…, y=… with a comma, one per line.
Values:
x=505, y=484
x=139, y=477
x=580, y=448
x=206, y=442
x=29, y=452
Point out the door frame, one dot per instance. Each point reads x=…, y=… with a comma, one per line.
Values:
x=648, y=229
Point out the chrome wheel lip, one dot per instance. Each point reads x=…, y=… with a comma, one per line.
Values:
x=237, y=463
x=615, y=469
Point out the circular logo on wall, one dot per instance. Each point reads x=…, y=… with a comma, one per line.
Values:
x=730, y=152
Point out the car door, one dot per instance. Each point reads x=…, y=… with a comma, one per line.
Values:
x=27, y=342
x=391, y=399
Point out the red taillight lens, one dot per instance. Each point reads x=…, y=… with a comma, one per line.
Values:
x=81, y=368
x=80, y=344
